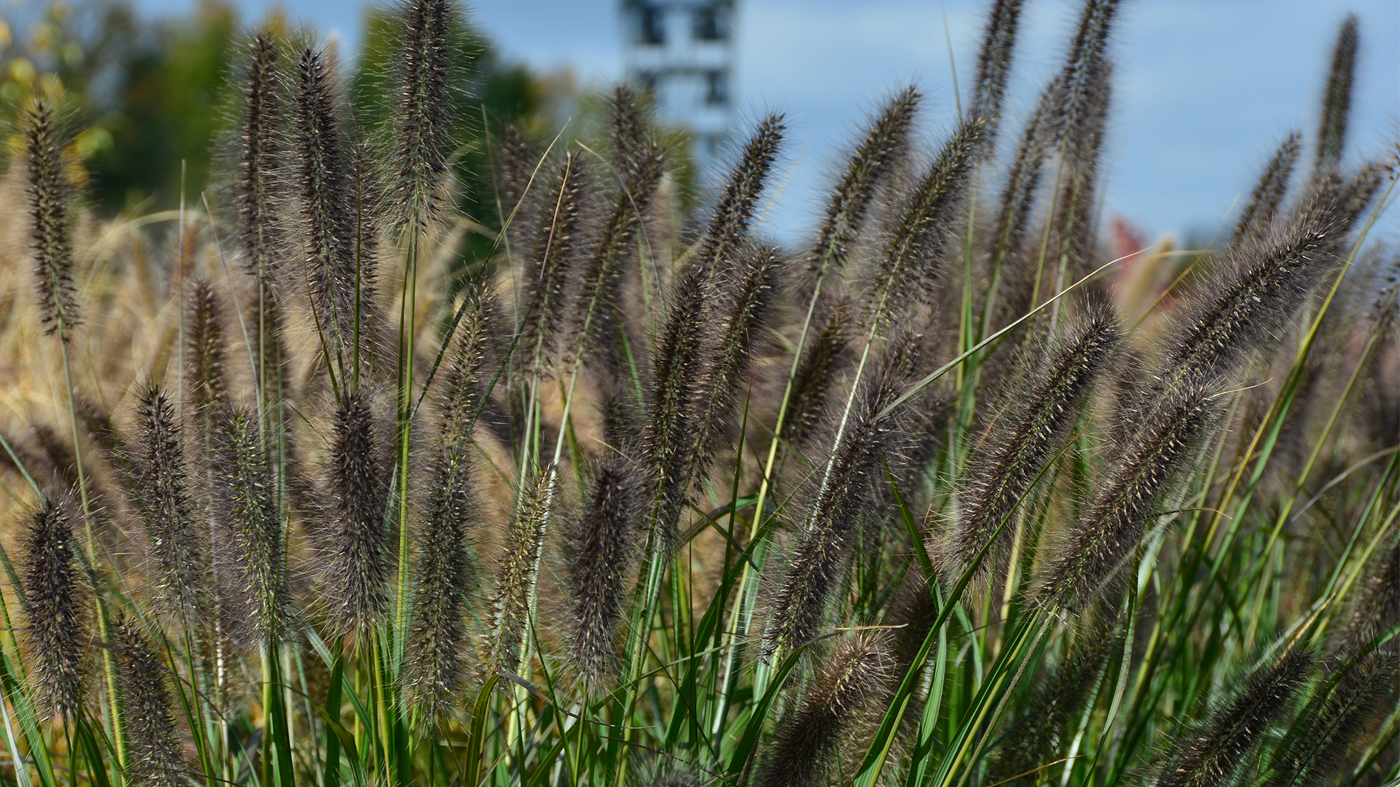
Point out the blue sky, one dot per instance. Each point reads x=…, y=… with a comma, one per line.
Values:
x=1205, y=88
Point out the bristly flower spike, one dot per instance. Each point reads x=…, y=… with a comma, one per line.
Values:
x=255, y=192
x=1081, y=71
x=1018, y=444
x=1210, y=756
x=729, y=223
x=808, y=742
x=506, y=645
x=1259, y=211
x=154, y=750
x=1269, y=283
x=206, y=386
x=678, y=359
x=249, y=552
x=1122, y=508
x=329, y=212
x=829, y=528
x=54, y=601
x=1013, y=268
x=1318, y=744
x=736, y=305
x=816, y=373
x=602, y=548
x=1378, y=607
x=1336, y=102
x=48, y=192
x=549, y=264
x=435, y=668
x=639, y=172
x=425, y=113
x=911, y=260
x=358, y=549
x=994, y=64
x=880, y=150
x=1054, y=704
x=178, y=563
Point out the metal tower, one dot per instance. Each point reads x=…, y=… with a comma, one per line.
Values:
x=682, y=52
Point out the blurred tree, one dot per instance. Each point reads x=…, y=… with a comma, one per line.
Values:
x=150, y=94
x=165, y=113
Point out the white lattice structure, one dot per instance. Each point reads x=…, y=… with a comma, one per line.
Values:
x=682, y=52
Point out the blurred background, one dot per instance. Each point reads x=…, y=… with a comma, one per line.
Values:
x=1205, y=89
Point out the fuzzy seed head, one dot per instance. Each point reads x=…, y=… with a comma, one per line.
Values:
x=1268, y=284
x=332, y=201
x=1209, y=756
x=729, y=223
x=591, y=321
x=602, y=549
x=1040, y=731
x=1013, y=266
x=205, y=383
x=153, y=743
x=1319, y=744
x=709, y=341
x=629, y=132
x=1015, y=447
x=516, y=578
x=256, y=189
x=49, y=193
x=912, y=259
x=994, y=62
x=1082, y=72
x=177, y=562
x=359, y=553
x=516, y=167
x=816, y=373
x=885, y=143
x=436, y=668
x=1123, y=507
x=819, y=557
x=807, y=745
x=551, y=263
x=1336, y=102
x=248, y=552
x=54, y=598
x=423, y=122
x=1259, y=211
x=1377, y=609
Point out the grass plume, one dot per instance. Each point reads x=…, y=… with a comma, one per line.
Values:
x=1122, y=508
x=423, y=121
x=911, y=260
x=506, y=644
x=155, y=751
x=55, y=603
x=807, y=744
x=256, y=191
x=178, y=563
x=358, y=548
x=1262, y=206
x=881, y=148
x=1017, y=445
x=994, y=60
x=603, y=548
x=821, y=551
x=249, y=551
x=436, y=667
x=1336, y=101
x=48, y=193
x=1208, y=757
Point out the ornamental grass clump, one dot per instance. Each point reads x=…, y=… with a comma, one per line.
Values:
x=940, y=495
